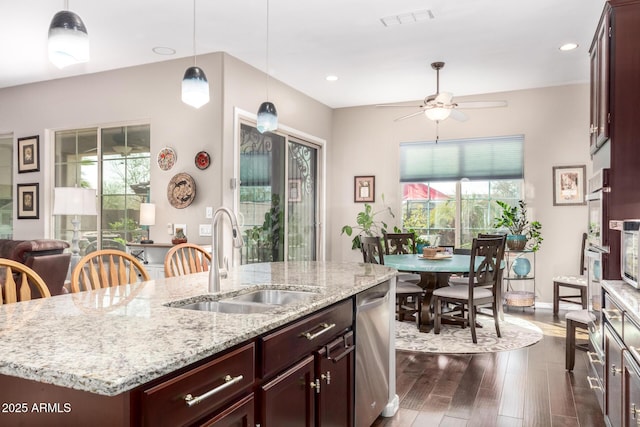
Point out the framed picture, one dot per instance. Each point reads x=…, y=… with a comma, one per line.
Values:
x=29, y=154
x=364, y=189
x=295, y=193
x=569, y=185
x=28, y=201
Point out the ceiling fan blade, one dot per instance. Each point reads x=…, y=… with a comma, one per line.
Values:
x=459, y=115
x=408, y=116
x=399, y=105
x=482, y=104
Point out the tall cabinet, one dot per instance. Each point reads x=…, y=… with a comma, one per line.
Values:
x=615, y=112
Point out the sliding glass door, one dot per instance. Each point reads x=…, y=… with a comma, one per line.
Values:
x=278, y=197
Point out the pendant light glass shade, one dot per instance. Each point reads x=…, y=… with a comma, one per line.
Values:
x=195, y=87
x=267, y=117
x=68, y=40
x=438, y=113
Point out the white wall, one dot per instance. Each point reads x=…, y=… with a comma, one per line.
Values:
x=554, y=121
x=151, y=93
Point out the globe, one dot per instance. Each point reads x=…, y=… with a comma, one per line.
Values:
x=521, y=266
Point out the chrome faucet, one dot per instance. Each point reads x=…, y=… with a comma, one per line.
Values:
x=217, y=271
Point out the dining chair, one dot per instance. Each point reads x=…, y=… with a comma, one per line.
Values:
x=482, y=288
x=401, y=244
x=106, y=268
x=575, y=319
x=577, y=282
x=20, y=282
x=406, y=292
x=186, y=258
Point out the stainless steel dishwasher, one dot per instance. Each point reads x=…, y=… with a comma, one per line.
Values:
x=372, y=353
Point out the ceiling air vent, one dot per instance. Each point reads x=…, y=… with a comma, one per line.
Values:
x=407, y=18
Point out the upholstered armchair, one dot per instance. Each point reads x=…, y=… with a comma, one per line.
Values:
x=45, y=256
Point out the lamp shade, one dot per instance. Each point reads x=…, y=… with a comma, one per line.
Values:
x=147, y=214
x=68, y=40
x=195, y=87
x=267, y=120
x=437, y=113
x=74, y=201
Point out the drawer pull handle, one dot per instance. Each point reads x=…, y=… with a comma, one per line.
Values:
x=326, y=377
x=315, y=385
x=597, y=385
x=340, y=356
x=615, y=371
x=228, y=382
x=325, y=328
x=612, y=314
x=634, y=411
x=593, y=357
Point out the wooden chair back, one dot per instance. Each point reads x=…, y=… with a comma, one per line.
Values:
x=371, y=248
x=399, y=243
x=19, y=282
x=106, y=268
x=186, y=258
x=488, y=273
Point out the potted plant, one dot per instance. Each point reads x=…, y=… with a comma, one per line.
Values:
x=367, y=224
x=522, y=232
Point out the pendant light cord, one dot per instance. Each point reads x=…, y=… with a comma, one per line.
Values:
x=267, y=50
x=194, y=32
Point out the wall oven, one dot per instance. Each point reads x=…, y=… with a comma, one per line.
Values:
x=597, y=204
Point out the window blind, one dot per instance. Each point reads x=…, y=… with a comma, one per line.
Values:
x=478, y=158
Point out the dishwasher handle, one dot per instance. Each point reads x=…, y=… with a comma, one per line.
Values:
x=372, y=301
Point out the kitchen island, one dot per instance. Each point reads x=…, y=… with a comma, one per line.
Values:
x=92, y=356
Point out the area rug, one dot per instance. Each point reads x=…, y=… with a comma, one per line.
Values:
x=516, y=333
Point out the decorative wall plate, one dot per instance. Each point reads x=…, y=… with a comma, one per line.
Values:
x=203, y=160
x=181, y=191
x=167, y=157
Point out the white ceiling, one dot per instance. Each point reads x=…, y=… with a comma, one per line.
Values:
x=488, y=45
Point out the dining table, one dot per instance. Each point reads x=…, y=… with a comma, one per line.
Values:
x=435, y=272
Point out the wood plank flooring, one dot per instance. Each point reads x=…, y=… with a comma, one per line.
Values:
x=525, y=387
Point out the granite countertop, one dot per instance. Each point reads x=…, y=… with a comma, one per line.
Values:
x=112, y=340
x=625, y=295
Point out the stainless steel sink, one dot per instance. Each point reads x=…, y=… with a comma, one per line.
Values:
x=227, y=307
x=252, y=302
x=272, y=297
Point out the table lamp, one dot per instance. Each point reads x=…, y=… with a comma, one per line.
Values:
x=74, y=201
x=147, y=217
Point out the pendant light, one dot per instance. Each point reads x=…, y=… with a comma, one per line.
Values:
x=267, y=115
x=68, y=39
x=195, y=87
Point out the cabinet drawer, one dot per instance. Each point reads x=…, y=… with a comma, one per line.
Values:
x=632, y=337
x=287, y=345
x=212, y=384
x=613, y=314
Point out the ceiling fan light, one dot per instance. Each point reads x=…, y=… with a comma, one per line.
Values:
x=437, y=113
x=195, y=87
x=68, y=42
x=267, y=117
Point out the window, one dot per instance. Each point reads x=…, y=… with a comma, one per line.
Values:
x=116, y=162
x=6, y=186
x=449, y=189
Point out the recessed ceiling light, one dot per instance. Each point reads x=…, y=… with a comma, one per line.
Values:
x=568, y=46
x=160, y=50
x=331, y=78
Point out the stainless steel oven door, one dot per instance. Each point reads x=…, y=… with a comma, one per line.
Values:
x=594, y=278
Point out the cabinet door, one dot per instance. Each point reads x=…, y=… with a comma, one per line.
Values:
x=613, y=377
x=631, y=390
x=600, y=84
x=334, y=373
x=288, y=399
x=240, y=414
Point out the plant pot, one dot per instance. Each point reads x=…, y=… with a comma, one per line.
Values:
x=516, y=242
x=420, y=246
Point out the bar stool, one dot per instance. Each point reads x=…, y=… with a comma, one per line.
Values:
x=575, y=319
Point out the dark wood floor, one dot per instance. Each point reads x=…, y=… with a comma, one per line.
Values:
x=525, y=387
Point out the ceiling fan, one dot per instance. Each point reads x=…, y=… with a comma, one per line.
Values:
x=440, y=106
